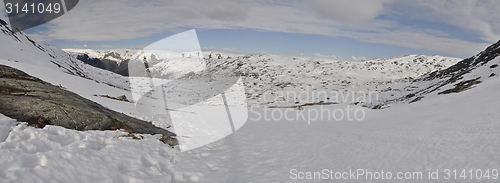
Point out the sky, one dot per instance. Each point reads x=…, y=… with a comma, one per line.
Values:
x=336, y=29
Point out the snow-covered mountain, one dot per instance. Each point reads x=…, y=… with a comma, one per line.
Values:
x=116, y=60
x=462, y=76
x=111, y=60
x=119, y=55
x=59, y=68
x=19, y=48
x=276, y=80
x=269, y=77
x=116, y=55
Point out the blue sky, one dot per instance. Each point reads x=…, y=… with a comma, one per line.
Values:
x=339, y=29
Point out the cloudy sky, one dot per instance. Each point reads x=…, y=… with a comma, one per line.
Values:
x=342, y=29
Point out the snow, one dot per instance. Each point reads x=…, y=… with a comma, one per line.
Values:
x=92, y=53
x=454, y=131
x=56, y=154
x=270, y=77
x=19, y=48
x=430, y=88
x=130, y=53
x=101, y=53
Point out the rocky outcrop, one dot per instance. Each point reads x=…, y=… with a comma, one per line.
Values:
x=120, y=98
x=105, y=63
x=462, y=76
x=26, y=98
x=91, y=61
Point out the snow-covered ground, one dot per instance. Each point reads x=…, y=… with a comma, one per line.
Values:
x=455, y=131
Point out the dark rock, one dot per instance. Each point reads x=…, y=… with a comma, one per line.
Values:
x=120, y=98
x=440, y=79
x=378, y=106
x=107, y=64
x=169, y=140
x=91, y=61
x=26, y=98
x=462, y=86
x=416, y=100
x=123, y=98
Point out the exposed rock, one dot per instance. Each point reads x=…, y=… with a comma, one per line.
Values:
x=26, y=98
x=416, y=100
x=170, y=141
x=462, y=86
x=123, y=98
x=120, y=98
x=105, y=63
x=300, y=107
x=381, y=106
x=457, y=75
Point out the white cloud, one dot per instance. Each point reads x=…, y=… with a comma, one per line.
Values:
x=138, y=46
x=323, y=56
x=207, y=48
x=341, y=57
x=421, y=40
x=112, y=20
x=301, y=54
x=357, y=58
x=262, y=52
x=479, y=16
x=349, y=11
x=230, y=49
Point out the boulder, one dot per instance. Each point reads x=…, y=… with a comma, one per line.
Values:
x=29, y=99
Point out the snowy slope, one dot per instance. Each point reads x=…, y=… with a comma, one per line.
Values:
x=450, y=132
x=460, y=77
x=19, y=48
x=59, y=68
